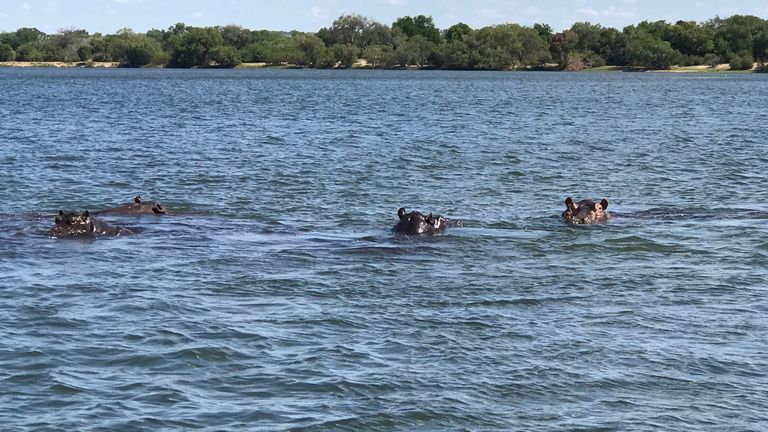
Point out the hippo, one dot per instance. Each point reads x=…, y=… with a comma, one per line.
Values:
x=585, y=211
x=76, y=224
x=417, y=223
x=137, y=207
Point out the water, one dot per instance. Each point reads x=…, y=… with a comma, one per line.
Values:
x=277, y=299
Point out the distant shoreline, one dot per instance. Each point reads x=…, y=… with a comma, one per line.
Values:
x=362, y=64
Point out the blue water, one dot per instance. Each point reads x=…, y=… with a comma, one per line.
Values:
x=277, y=298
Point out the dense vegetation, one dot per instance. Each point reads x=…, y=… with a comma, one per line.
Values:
x=411, y=41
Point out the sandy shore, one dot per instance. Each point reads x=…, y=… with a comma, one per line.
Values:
x=59, y=64
x=363, y=64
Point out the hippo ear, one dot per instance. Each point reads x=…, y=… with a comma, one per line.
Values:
x=158, y=209
x=401, y=212
x=604, y=203
x=137, y=200
x=86, y=215
x=61, y=212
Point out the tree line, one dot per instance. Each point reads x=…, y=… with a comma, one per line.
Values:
x=739, y=40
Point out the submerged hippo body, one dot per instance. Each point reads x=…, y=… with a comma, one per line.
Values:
x=585, y=211
x=417, y=223
x=136, y=207
x=76, y=224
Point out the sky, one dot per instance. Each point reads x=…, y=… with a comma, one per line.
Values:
x=108, y=16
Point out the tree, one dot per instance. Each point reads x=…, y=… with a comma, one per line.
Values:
x=236, y=36
x=64, y=45
x=419, y=25
x=29, y=52
x=312, y=48
x=690, y=38
x=139, y=51
x=348, y=30
x=646, y=50
x=225, y=56
x=196, y=47
x=454, y=55
x=26, y=35
x=101, y=48
x=545, y=32
x=345, y=54
x=562, y=45
x=85, y=53
x=379, y=55
x=457, y=32
x=742, y=60
x=376, y=34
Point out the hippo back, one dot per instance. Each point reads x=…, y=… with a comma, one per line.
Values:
x=76, y=224
x=138, y=206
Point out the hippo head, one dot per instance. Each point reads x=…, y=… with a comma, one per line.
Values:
x=585, y=211
x=417, y=223
x=73, y=224
x=153, y=208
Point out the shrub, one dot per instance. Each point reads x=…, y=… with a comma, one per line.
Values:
x=742, y=61
x=225, y=56
x=6, y=52
x=28, y=52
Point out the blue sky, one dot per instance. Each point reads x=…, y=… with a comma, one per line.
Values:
x=107, y=16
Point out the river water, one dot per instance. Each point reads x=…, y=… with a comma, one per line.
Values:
x=277, y=298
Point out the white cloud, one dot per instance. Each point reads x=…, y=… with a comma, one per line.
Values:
x=198, y=15
x=317, y=14
x=611, y=12
x=25, y=6
x=588, y=12
x=396, y=2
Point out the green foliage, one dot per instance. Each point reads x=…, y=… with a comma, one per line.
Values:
x=410, y=41
x=646, y=49
x=235, y=36
x=85, y=53
x=545, y=32
x=140, y=51
x=225, y=56
x=29, y=52
x=312, y=49
x=457, y=32
x=24, y=36
x=561, y=46
x=6, y=52
x=418, y=26
x=346, y=55
x=196, y=47
x=510, y=46
x=379, y=55
x=742, y=60
x=690, y=38
x=348, y=30
x=101, y=48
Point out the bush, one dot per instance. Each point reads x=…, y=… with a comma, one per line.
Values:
x=742, y=61
x=225, y=56
x=6, y=52
x=140, y=52
x=28, y=52
x=85, y=53
x=762, y=68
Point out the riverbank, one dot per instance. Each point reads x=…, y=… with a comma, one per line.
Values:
x=363, y=64
x=60, y=64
